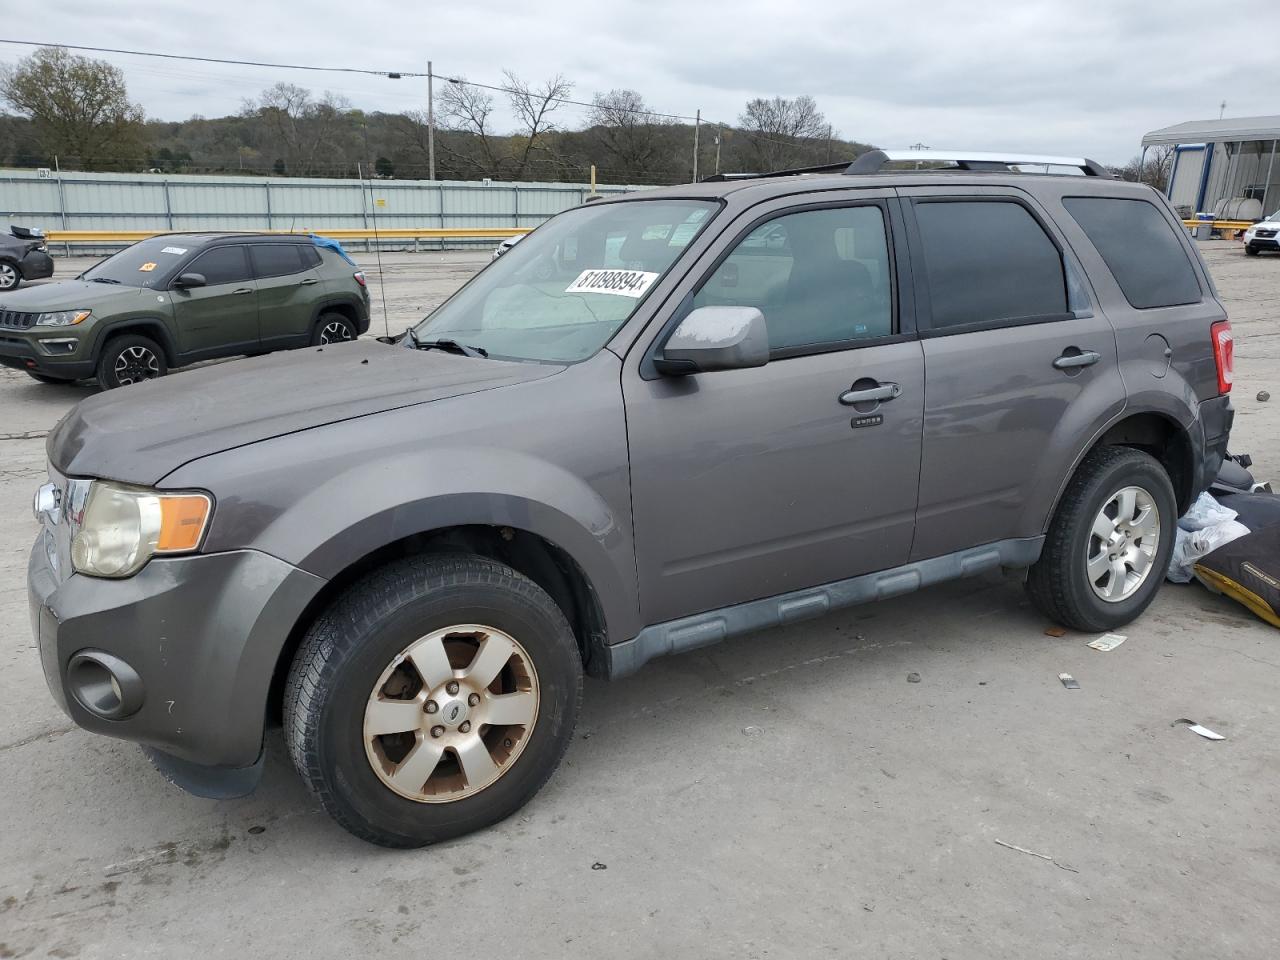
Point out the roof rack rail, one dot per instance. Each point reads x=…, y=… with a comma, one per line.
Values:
x=837, y=167
x=875, y=160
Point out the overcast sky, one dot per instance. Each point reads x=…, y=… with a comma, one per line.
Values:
x=1063, y=76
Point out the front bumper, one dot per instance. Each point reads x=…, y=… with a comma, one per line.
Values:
x=1263, y=243
x=20, y=353
x=203, y=632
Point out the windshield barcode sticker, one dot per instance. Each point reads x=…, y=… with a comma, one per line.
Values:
x=620, y=283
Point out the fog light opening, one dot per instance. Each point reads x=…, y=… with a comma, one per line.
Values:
x=104, y=684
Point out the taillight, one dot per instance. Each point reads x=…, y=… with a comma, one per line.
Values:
x=359, y=275
x=1223, y=353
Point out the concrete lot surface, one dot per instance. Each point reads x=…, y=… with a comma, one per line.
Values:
x=786, y=795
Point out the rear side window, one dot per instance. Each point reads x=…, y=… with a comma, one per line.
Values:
x=1140, y=248
x=310, y=256
x=276, y=259
x=987, y=262
x=221, y=265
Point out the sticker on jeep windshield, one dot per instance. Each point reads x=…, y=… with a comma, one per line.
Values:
x=620, y=283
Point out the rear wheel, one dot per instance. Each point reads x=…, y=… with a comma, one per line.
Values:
x=435, y=697
x=333, y=328
x=10, y=276
x=1108, y=546
x=130, y=359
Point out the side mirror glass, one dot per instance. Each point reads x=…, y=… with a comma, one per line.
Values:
x=716, y=338
x=190, y=280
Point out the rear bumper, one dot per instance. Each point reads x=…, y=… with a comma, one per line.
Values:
x=20, y=353
x=201, y=636
x=36, y=265
x=1216, y=417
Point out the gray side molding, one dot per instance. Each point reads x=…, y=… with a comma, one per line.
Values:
x=702, y=629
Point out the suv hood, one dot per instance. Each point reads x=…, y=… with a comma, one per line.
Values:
x=139, y=434
x=73, y=295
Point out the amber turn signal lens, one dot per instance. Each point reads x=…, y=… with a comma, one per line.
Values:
x=182, y=520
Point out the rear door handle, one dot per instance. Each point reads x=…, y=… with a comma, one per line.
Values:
x=307, y=282
x=1074, y=357
x=242, y=290
x=880, y=392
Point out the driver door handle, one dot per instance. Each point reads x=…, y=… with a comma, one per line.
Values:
x=881, y=392
x=242, y=290
x=1073, y=357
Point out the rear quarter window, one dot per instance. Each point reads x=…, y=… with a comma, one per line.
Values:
x=1140, y=248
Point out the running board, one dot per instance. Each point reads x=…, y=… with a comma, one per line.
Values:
x=703, y=629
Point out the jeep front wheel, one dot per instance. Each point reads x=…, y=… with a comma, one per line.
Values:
x=130, y=359
x=434, y=697
x=1109, y=543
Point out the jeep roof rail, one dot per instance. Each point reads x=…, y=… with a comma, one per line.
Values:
x=875, y=160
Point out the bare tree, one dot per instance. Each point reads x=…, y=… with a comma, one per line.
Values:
x=1155, y=171
x=782, y=132
x=533, y=107
x=627, y=132
x=467, y=109
x=78, y=106
x=301, y=125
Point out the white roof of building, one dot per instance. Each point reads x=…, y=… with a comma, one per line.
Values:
x=1217, y=131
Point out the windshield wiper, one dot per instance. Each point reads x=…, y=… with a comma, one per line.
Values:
x=450, y=346
x=103, y=280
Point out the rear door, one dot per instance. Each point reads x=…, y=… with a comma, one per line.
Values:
x=1020, y=364
x=288, y=289
x=753, y=483
x=220, y=318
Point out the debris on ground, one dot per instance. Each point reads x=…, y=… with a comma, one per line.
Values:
x=1055, y=632
x=1196, y=728
x=1108, y=642
x=599, y=866
x=913, y=678
x=1205, y=527
x=752, y=731
x=1032, y=853
x=1069, y=681
x=1263, y=396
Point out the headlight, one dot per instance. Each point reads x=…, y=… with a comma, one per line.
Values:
x=62, y=318
x=124, y=527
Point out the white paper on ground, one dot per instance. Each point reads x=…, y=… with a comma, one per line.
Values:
x=1196, y=728
x=1108, y=641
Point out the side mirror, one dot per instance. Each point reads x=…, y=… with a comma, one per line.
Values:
x=190, y=280
x=715, y=338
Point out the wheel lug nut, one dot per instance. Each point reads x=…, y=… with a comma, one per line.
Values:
x=437, y=731
x=464, y=726
x=473, y=699
x=432, y=706
x=508, y=743
x=452, y=686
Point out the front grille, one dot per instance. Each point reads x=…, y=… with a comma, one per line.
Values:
x=15, y=320
x=1265, y=233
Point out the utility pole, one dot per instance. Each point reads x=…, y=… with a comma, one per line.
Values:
x=828, y=143
x=719, y=135
x=697, y=123
x=431, y=125
x=1222, y=108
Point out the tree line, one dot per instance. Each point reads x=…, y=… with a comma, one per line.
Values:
x=77, y=109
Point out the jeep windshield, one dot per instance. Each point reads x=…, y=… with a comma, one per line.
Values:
x=560, y=294
x=145, y=264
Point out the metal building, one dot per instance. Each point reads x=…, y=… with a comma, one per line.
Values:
x=1226, y=167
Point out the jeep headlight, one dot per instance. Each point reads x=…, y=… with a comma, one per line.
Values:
x=62, y=318
x=123, y=527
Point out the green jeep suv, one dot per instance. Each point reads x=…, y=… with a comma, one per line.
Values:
x=177, y=299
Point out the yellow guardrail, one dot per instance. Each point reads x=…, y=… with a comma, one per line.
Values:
x=1219, y=224
x=390, y=233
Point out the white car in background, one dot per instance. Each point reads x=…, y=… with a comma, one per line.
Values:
x=506, y=245
x=1263, y=235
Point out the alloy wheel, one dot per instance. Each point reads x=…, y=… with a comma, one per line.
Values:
x=8, y=276
x=335, y=332
x=451, y=714
x=1123, y=543
x=136, y=364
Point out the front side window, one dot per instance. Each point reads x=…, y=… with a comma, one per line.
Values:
x=820, y=277
x=988, y=262
x=1140, y=248
x=275, y=259
x=563, y=291
x=221, y=265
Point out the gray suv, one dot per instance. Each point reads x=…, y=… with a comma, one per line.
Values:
x=658, y=422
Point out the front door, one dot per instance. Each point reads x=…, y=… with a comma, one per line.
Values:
x=220, y=318
x=1020, y=365
x=753, y=483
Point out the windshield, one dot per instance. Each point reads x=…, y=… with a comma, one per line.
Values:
x=145, y=264
x=562, y=292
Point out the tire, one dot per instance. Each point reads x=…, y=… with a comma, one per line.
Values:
x=10, y=276
x=45, y=379
x=1250, y=251
x=333, y=328
x=366, y=635
x=1060, y=582
x=128, y=359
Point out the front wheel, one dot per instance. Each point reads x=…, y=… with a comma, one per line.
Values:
x=435, y=697
x=1250, y=251
x=1109, y=543
x=130, y=359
